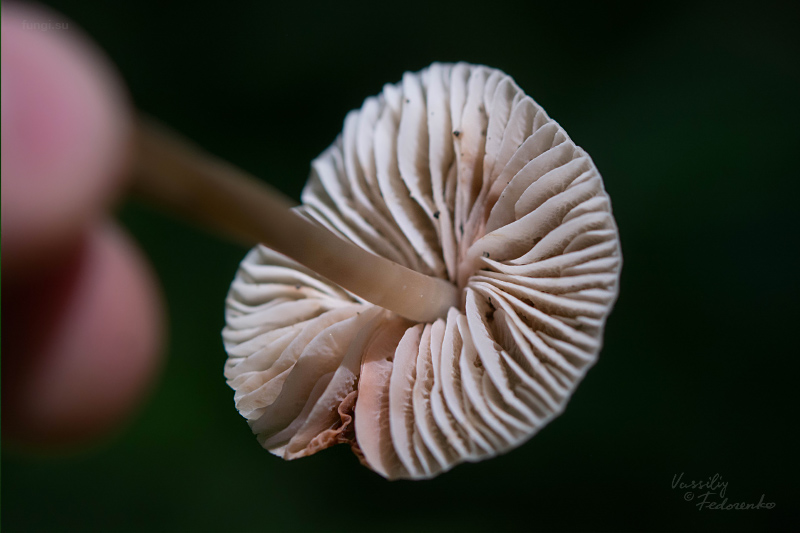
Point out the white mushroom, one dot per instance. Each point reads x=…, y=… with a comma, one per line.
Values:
x=454, y=173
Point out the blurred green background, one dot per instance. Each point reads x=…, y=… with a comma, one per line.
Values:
x=691, y=114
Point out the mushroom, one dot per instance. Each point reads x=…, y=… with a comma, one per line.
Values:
x=486, y=215
x=455, y=173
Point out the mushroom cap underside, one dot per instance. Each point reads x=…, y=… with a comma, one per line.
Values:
x=456, y=173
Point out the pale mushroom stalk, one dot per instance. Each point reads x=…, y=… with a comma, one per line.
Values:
x=178, y=176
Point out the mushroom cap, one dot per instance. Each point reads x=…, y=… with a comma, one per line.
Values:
x=456, y=173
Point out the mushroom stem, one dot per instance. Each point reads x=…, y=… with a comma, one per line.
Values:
x=179, y=177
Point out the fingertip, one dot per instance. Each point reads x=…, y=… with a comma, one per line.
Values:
x=99, y=355
x=65, y=128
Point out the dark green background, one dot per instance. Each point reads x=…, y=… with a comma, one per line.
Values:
x=691, y=115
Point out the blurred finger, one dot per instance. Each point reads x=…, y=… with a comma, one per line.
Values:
x=84, y=342
x=64, y=137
